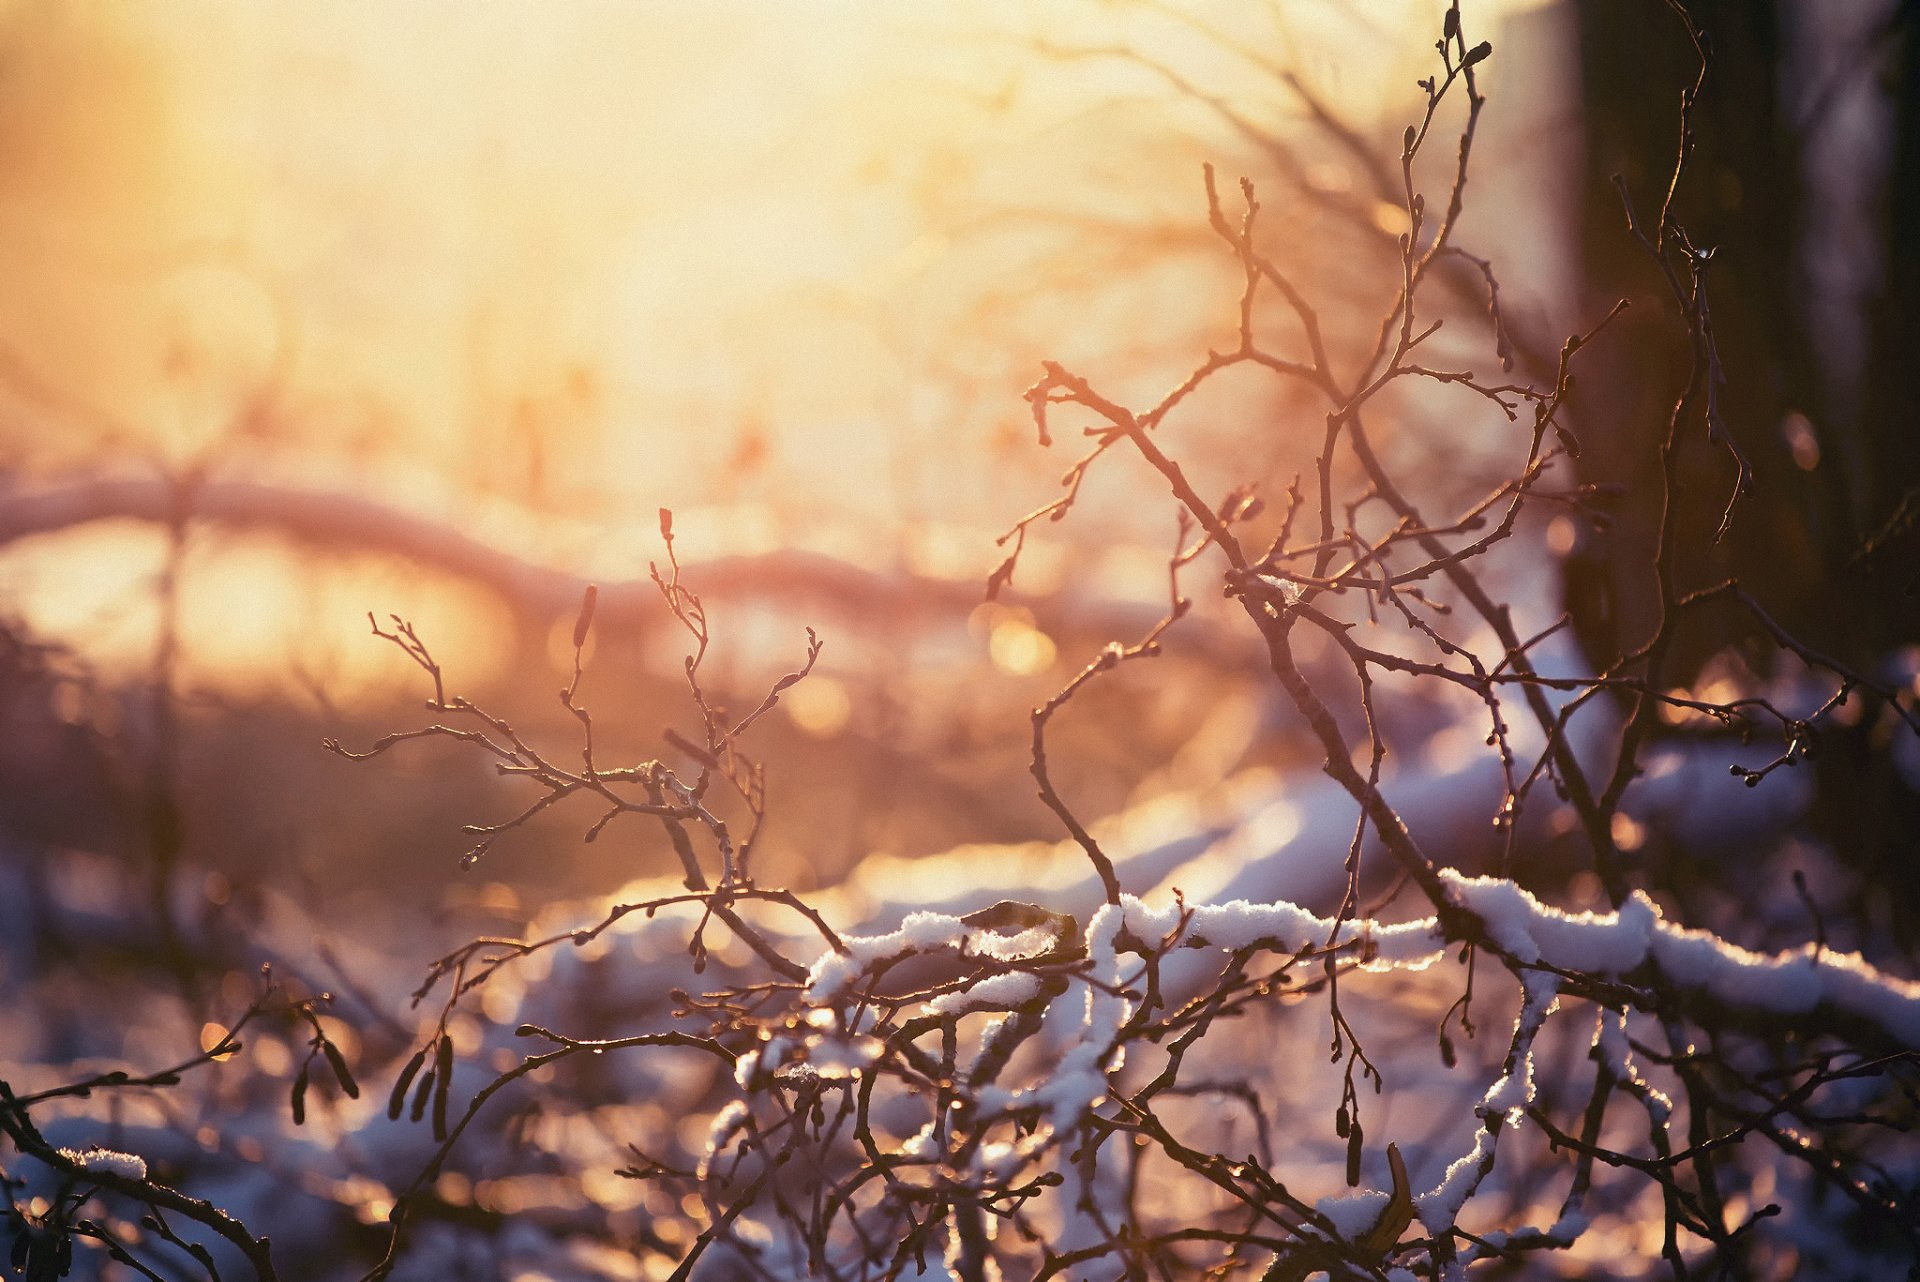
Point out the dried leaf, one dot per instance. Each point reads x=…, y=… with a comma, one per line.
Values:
x=1399, y=1213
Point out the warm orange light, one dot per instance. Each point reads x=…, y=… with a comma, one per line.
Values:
x=1020, y=649
x=819, y=706
x=786, y=263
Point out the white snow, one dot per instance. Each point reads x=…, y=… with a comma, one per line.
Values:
x=996, y=992
x=1610, y=945
x=1440, y=1206
x=1092, y=1010
x=922, y=932
x=757, y=1064
x=1610, y=1043
x=106, y=1161
x=726, y=1124
x=1353, y=1214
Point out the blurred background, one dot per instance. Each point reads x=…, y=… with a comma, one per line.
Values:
x=317, y=311
x=428, y=309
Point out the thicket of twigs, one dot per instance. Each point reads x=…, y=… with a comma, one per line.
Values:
x=1445, y=1074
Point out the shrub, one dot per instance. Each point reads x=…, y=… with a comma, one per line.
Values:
x=1537, y=1067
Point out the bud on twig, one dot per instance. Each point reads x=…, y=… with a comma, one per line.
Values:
x=587, y=603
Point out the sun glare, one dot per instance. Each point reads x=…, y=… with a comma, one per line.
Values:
x=553, y=268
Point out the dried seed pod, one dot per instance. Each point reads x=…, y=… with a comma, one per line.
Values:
x=442, y=1083
x=338, y=1062
x=399, y=1096
x=1355, y=1139
x=418, y=1109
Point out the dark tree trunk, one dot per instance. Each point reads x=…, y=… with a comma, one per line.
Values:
x=1828, y=538
x=1739, y=198
x=1883, y=455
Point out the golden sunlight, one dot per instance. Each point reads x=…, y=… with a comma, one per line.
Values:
x=577, y=262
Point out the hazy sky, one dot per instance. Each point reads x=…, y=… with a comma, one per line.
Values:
x=615, y=226
x=598, y=257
